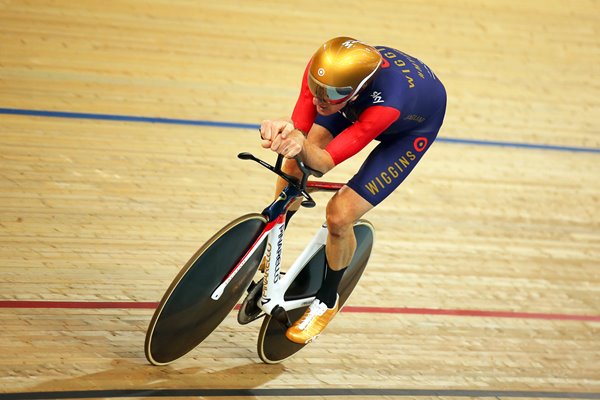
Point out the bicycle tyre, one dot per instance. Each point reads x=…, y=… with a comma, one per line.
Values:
x=273, y=346
x=186, y=314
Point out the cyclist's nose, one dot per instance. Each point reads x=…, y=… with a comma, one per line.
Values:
x=319, y=102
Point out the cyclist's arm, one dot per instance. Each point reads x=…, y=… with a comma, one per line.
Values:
x=304, y=113
x=316, y=157
x=371, y=123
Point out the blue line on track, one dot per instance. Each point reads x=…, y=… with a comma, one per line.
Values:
x=235, y=125
x=125, y=118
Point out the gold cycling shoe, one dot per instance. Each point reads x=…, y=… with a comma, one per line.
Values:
x=312, y=323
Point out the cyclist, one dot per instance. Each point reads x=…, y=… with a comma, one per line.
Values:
x=351, y=94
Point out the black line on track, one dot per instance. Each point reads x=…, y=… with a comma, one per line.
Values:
x=295, y=392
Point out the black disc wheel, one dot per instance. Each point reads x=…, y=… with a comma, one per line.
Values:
x=273, y=346
x=187, y=314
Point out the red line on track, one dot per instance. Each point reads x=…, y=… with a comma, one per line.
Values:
x=77, y=304
x=350, y=309
x=472, y=313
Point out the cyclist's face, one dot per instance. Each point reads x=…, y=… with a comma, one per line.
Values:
x=324, y=108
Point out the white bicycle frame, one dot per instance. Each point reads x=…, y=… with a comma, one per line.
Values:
x=275, y=284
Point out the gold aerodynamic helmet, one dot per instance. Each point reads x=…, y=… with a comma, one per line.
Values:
x=340, y=68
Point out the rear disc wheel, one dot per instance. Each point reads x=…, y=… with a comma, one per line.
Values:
x=273, y=346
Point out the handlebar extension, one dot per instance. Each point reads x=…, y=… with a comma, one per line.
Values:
x=299, y=184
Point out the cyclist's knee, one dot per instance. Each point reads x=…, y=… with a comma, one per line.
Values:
x=339, y=220
x=345, y=207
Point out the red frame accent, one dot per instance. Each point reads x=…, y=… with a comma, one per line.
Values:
x=270, y=225
x=331, y=186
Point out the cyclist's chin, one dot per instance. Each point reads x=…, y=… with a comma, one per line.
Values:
x=326, y=111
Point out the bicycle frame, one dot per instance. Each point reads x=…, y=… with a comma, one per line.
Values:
x=275, y=283
x=275, y=214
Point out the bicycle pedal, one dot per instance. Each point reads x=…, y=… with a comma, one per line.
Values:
x=281, y=315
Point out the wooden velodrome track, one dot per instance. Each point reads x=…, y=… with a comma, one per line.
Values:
x=485, y=277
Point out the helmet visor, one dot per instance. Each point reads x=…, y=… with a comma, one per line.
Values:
x=329, y=94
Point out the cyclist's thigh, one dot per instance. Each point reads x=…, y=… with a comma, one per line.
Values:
x=389, y=164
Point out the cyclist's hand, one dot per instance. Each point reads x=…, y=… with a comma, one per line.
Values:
x=270, y=130
x=290, y=144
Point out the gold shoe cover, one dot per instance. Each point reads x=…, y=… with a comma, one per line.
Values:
x=312, y=323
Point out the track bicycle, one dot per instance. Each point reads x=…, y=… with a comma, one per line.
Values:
x=210, y=284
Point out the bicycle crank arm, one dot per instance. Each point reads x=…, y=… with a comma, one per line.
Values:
x=281, y=315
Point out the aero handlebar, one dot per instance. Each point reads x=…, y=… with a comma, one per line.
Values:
x=300, y=185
